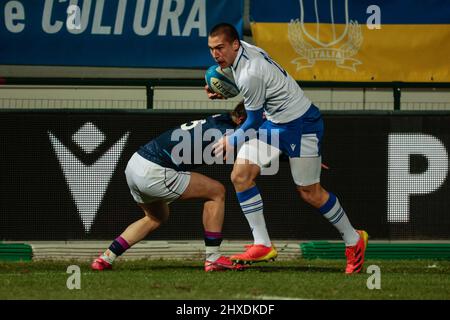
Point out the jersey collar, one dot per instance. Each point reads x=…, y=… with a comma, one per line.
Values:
x=241, y=52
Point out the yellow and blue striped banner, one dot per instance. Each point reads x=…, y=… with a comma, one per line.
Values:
x=335, y=40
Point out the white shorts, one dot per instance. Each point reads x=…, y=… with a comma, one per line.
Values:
x=299, y=139
x=150, y=182
x=305, y=170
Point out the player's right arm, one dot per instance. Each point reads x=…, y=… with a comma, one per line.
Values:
x=254, y=120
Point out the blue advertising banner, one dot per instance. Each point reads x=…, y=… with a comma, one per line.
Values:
x=114, y=33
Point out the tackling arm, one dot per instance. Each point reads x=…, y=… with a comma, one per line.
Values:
x=254, y=121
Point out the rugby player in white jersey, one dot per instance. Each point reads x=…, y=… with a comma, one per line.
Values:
x=267, y=88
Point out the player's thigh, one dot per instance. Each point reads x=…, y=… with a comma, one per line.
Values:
x=306, y=161
x=203, y=187
x=257, y=152
x=306, y=170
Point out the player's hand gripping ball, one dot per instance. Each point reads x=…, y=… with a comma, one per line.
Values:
x=221, y=81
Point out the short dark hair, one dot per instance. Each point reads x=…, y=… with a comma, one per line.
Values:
x=227, y=29
x=239, y=110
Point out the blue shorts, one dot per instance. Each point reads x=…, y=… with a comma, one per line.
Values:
x=301, y=137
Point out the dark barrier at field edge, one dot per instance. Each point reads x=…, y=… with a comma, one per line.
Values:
x=62, y=183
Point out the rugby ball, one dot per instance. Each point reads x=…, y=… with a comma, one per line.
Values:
x=221, y=81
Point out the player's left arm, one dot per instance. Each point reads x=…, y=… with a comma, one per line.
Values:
x=254, y=91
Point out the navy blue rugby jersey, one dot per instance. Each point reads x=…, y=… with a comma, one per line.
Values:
x=182, y=148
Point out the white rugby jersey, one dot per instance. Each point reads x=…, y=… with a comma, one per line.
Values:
x=263, y=83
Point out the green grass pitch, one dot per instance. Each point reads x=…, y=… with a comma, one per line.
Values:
x=185, y=279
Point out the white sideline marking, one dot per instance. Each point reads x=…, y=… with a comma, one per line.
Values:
x=265, y=297
x=38, y=273
x=278, y=298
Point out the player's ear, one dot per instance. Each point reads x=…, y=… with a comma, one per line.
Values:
x=236, y=45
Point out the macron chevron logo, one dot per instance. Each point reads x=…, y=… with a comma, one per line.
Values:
x=88, y=183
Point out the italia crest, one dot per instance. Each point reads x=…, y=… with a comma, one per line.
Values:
x=311, y=47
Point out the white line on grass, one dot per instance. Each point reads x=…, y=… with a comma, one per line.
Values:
x=266, y=297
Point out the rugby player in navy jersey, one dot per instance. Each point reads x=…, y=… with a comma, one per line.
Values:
x=158, y=174
x=267, y=87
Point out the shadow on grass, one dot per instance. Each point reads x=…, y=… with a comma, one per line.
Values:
x=301, y=268
x=251, y=268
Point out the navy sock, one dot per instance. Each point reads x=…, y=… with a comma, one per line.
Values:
x=119, y=246
x=213, y=239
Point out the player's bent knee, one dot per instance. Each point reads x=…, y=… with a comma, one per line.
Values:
x=240, y=178
x=159, y=219
x=163, y=218
x=305, y=194
x=154, y=223
x=243, y=176
x=312, y=194
x=218, y=191
x=157, y=212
